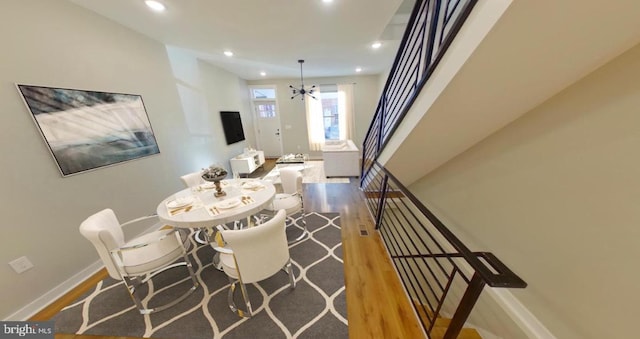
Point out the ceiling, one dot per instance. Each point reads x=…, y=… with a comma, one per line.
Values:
x=272, y=35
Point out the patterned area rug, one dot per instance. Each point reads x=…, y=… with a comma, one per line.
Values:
x=313, y=173
x=316, y=308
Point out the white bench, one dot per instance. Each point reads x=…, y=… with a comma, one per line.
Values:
x=341, y=159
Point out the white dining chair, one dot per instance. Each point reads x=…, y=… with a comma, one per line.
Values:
x=137, y=260
x=254, y=254
x=291, y=200
x=192, y=179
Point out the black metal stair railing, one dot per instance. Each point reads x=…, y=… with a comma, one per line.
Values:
x=432, y=27
x=438, y=271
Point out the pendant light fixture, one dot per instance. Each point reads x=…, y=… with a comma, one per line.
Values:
x=301, y=91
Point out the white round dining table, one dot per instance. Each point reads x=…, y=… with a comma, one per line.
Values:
x=207, y=210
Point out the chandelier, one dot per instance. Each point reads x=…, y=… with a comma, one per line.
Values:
x=301, y=91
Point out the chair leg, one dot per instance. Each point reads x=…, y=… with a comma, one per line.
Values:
x=292, y=277
x=132, y=283
x=217, y=264
x=304, y=233
x=192, y=273
x=304, y=222
x=245, y=296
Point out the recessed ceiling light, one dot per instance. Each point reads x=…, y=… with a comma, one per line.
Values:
x=263, y=73
x=358, y=70
x=228, y=53
x=327, y=1
x=155, y=5
x=376, y=44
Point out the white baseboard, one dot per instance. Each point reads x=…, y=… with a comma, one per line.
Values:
x=45, y=300
x=486, y=334
x=527, y=322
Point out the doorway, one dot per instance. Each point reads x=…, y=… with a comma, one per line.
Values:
x=267, y=118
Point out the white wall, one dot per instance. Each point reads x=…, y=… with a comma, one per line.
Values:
x=292, y=111
x=55, y=43
x=555, y=196
x=203, y=91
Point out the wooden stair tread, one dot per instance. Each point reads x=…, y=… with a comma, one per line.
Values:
x=442, y=324
x=466, y=333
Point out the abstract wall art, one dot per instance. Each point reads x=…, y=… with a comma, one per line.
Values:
x=85, y=130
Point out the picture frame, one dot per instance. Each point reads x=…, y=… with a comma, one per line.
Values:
x=86, y=130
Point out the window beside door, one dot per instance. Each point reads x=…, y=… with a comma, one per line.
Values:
x=330, y=115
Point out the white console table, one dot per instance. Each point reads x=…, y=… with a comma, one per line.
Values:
x=248, y=162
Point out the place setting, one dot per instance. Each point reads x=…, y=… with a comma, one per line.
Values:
x=223, y=206
x=252, y=185
x=228, y=204
x=205, y=187
x=181, y=205
x=247, y=200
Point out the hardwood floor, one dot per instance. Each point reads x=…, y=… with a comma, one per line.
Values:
x=377, y=306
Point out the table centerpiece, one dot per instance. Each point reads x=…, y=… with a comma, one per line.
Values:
x=215, y=174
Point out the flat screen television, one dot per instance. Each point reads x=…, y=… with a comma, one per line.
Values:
x=232, y=125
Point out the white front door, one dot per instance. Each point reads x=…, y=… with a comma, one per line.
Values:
x=268, y=126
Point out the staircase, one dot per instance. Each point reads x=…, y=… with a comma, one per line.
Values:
x=441, y=325
x=466, y=333
x=438, y=271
